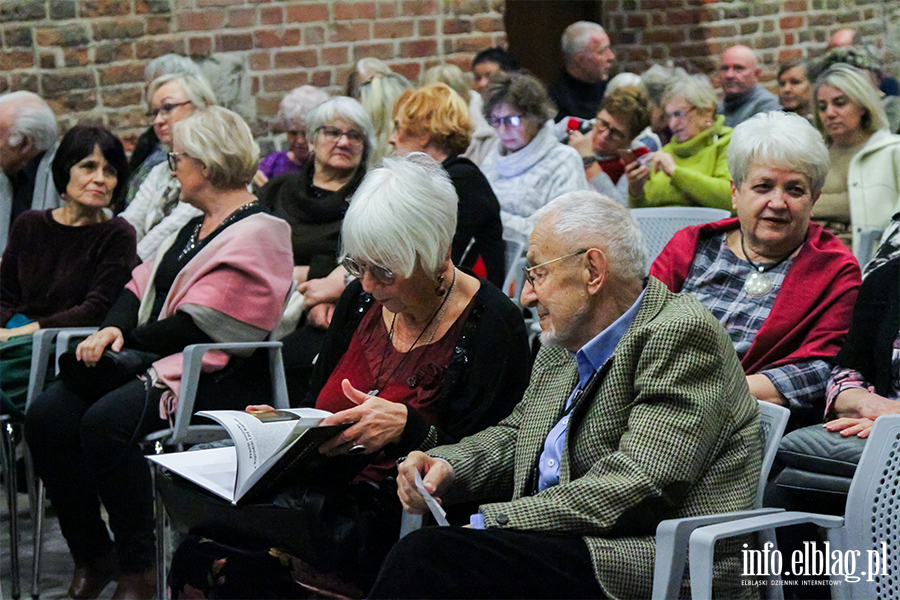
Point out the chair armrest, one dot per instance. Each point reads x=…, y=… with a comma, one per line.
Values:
x=672, y=537
x=703, y=541
x=42, y=346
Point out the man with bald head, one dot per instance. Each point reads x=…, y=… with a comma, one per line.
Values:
x=739, y=78
x=28, y=137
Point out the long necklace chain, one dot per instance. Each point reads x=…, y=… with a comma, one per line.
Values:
x=439, y=314
x=195, y=236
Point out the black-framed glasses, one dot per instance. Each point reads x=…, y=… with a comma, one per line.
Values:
x=601, y=125
x=527, y=270
x=332, y=135
x=380, y=274
x=173, y=158
x=507, y=121
x=166, y=109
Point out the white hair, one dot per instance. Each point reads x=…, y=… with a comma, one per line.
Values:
x=657, y=78
x=592, y=220
x=450, y=74
x=402, y=215
x=576, y=37
x=297, y=104
x=345, y=108
x=194, y=85
x=223, y=142
x=779, y=140
x=32, y=118
x=623, y=80
x=170, y=64
x=696, y=90
x=378, y=96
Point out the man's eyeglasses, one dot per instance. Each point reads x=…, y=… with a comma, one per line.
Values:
x=331, y=135
x=173, y=158
x=382, y=275
x=532, y=279
x=166, y=109
x=507, y=121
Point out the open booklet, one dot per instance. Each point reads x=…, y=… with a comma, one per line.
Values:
x=269, y=449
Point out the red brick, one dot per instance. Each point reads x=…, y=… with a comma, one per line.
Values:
x=31, y=10
x=205, y=20
x=663, y=36
x=56, y=83
x=768, y=26
x=73, y=35
x=392, y=29
x=268, y=38
x=241, y=17
x=321, y=79
x=463, y=62
x=682, y=17
x=143, y=7
x=795, y=6
x=821, y=19
x=219, y=2
x=335, y=55
x=119, y=74
x=770, y=41
x=271, y=15
x=418, y=48
x=127, y=120
x=349, y=32
x=18, y=37
x=346, y=10
x=48, y=60
x=749, y=28
x=384, y=51
x=469, y=44
x=200, y=46
x=122, y=96
x=76, y=57
x=119, y=29
x=73, y=102
x=452, y=26
x=789, y=39
x=409, y=70
x=260, y=61
x=306, y=13
x=687, y=50
x=426, y=27
x=16, y=59
x=794, y=22
x=158, y=25
x=254, y=85
x=295, y=59
x=419, y=7
x=103, y=8
x=157, y=47
x=638, y=54
x=107, y=52
x=268, y=106
x=718, y=31
x=234, y=42
x=386, y=9
x=789, y=54
x=468, y=7
x=284, y=82
x=4, y=85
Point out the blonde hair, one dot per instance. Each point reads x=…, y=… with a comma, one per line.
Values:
x=695, y=89
x=449, y=74
x=378, y=96
x=858, y=87
x=194, y=85
x=223, y=142
x=439, y=111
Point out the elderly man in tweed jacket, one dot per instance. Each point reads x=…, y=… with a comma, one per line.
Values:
x=650, y=420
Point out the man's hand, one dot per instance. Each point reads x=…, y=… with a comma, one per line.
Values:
x=437, y=475
x=90, y=350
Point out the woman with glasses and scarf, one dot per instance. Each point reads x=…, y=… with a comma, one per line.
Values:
x=691, y=170
x=419, y=353
x=155, y=211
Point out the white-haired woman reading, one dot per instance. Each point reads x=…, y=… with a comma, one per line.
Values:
x=783, y=287
x=419, y=353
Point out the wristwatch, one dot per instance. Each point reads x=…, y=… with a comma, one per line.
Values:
x=588, y=160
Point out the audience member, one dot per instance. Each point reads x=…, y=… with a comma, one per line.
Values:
x=378, y=96
x=585, y=48
x=783, y=287
x=652, y=420
x=529, y=167
x=691, y=170
x=65, y=267
x=795, y=89
x=646, y=137
x=364, y=70
x=444, y=354
x=613, y=144
x=844, y=37
x=27, y=144
x=739, y=78
x=888, y=248
x=292, y=115
x=224, y=277
x=148, y=151
x=490, y=61
x=655, y=80
x=863, y=185
x=435, y=120
x=156, y=212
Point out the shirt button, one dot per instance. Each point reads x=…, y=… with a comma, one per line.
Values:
x=502, y=519
x=551, y=462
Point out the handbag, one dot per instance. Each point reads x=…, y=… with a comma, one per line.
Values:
x=819, y=461
x=112, y=371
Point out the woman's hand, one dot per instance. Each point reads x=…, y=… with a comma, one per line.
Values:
x=638, y=175
x=376, y=423
x=260, y=179
x=855, y=403
x=847, y=427
x=301, y=273
x=90, y=350
x=258, y=409
x=662, y=161
x=324, y=289
x=320, y=315
x=581, y=142
x=28, y=329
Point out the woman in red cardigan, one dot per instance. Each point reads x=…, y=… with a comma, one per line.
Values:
x=783, y=287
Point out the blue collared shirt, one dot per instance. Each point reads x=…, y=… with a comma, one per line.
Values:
x=589, y=358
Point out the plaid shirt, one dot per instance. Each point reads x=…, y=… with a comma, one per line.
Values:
x=717, y=279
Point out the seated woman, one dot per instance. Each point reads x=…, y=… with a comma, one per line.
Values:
x=863, y=185
x=419, y=353
x=223, y=278
x=155, y=211
x=435, y=120
x=65, y=267
x=691, y=170
x=783, y=287
x=378, y=96
x=292, y=115
x=795, y=89
x=529, y=167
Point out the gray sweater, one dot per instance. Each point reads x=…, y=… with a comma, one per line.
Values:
x=739, y=109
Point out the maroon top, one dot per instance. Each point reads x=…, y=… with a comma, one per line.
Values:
x=414, y=378
x=64, y=276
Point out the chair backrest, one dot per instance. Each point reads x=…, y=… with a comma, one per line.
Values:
x=872, y=515
x=868, y=244
x=772, y=421
x=515, y=260
x=659, y=224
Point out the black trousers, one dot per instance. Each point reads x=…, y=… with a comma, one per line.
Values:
x=455, y=562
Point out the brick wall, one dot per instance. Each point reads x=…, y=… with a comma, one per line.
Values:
x=694, y=32
x=86, y=57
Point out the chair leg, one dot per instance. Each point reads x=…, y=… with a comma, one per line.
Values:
x=160, y=511
x=9, y=455
x=38, y=538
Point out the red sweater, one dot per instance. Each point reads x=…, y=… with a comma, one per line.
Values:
x=814, y=306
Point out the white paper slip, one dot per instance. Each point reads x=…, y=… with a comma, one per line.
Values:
x=440, y=515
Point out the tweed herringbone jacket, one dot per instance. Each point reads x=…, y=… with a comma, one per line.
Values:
x=667, y=429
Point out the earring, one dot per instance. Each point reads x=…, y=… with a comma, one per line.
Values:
x=440, y=290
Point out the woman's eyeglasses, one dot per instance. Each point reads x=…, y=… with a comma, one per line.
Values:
x=166, y=109
x=507, y=121
x=380, y=274
x=331, y=135
x=678, y=114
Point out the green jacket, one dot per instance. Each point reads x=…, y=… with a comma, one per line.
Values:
x=668, y=429
x=701, y=176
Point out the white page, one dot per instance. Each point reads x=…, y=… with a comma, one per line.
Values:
x=214, y=469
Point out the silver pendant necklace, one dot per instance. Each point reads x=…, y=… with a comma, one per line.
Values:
x=759, y=283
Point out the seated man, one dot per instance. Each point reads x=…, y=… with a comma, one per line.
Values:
x=650, y=420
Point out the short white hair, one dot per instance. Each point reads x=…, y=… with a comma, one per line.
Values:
x=194, y=85
x=223, y=142
x=31, y=117
x=402, y=215
x=592, y=220
x=297, y=104
x=576, y=37
x=657, y=78
x=623, y=80
x=696, y=90
x=779, y=140
x=169, y=64
x=346, y=108
x=450, y=74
